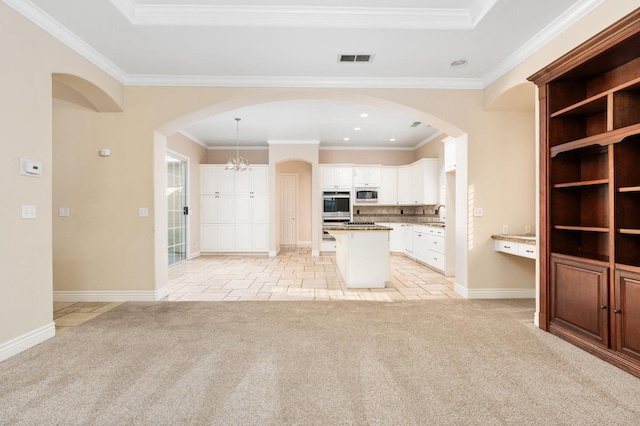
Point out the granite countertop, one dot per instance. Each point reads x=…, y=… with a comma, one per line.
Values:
x=342, y=227
x=523, y=239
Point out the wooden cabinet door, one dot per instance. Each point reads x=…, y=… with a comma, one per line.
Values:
x=579, y=298
x=627, y=313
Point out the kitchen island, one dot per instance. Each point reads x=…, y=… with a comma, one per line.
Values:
x=362, y=253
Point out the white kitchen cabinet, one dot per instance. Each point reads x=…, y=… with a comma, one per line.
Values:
x=396, y=237
x=421, y=246
x=388, y=190
x=449, y=154
x=408, y=241
x=516, y=249
x=217, y=208
x=233, y=207
x=404, y=185
x=336, y=177
x=217, y=237
x=214, y=179
x=366, y=176
x=424, y=182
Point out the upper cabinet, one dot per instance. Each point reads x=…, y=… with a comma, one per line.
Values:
x=424, y=181
x=366, y=176
x=336, y=177
x=388, y=190
x=214, y=179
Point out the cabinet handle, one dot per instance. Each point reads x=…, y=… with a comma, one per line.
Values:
x=507, y=246
x=603, y=307
x=617, y=311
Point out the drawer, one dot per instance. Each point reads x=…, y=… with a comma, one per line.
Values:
x=436, y=231
x=507, y=247
x=436, y=244
x=435, y=259
x=527, y=250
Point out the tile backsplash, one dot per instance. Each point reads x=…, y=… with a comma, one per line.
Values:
x=409, y=214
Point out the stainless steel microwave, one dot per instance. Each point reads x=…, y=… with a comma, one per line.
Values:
x=366, y=195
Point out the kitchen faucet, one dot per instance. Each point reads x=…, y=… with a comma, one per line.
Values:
x=441, y=206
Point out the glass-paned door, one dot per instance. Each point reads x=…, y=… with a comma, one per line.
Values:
x=177, y=209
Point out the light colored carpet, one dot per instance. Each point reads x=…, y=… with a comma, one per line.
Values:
x=253, y=363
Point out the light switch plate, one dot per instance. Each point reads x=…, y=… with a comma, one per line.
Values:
x=63, y=211
x=477, y=212
x=143, y=212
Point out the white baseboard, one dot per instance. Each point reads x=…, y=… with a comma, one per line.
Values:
x=303, y=244
x=495, y=293
x=194, y=254
x=26, y=341
x=110, y=296
x=315, y=253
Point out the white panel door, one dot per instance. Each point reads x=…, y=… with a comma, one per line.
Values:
x=243, y=237
x=226, y=208
x=209, y=208
x=260, y=237
x=260, y=179
x=243, y=208
x=288, y=209
x=260, y=208
x=209, y=237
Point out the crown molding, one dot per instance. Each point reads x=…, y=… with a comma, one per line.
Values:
x=60, y=32
x=302, y=16
x=564, y=21
x=306, y=82
x=429, y=139
x=233, y=147
x=193, y=138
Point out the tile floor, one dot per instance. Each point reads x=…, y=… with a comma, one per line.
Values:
x=292, y=275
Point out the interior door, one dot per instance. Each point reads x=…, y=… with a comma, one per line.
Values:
x=177, y=209
x=288, y=209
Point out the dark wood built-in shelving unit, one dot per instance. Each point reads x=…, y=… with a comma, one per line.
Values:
x=590, y=195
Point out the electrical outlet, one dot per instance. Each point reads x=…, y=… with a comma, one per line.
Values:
x=63, y=211
x=527, y=229
x=505, y=229
x=28, y=212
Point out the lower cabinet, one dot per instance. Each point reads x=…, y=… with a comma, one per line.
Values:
x=217, y=237
x=591, y=312
x=251, y=237
x=429, y=245
x=580, y=294
x=627, y=313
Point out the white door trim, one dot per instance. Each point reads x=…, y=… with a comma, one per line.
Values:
x=295, y=182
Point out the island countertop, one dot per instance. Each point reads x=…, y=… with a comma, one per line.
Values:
x=358, y=227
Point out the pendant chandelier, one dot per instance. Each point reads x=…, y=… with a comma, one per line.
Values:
x=237, y=163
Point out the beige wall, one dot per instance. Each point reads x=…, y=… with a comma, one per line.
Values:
x=382, y=157
x=197, y=154
x=221, y=156
x=123, y=252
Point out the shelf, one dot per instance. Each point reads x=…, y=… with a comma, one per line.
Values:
x=603, y=139
x=629, y=189
x=582, y=183
x=628, y=231
x=581, y=228
x=587, y=107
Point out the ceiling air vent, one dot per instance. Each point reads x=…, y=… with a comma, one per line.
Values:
x=355, y=57
x=416, y=124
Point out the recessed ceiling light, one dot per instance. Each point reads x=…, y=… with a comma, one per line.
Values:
x=345, y=139
x=459, y=63
x=392, y=140
x=364, y=115
x=356, y=128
